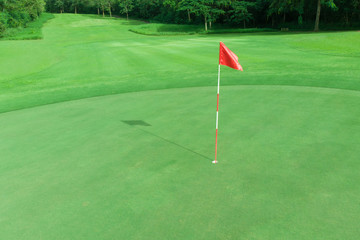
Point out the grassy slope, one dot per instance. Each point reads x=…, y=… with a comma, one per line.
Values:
x=289, y=155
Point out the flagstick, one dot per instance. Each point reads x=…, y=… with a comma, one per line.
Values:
x=217, y=115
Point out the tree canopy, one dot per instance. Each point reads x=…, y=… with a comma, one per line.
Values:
x=299, y=14
x=295, y=14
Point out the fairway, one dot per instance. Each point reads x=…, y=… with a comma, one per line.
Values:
x=107, y=134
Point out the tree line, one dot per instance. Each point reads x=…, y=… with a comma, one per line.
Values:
x=15, y=13
x=243, y=13
x=298, y=14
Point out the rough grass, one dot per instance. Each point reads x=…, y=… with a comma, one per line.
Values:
x=31, y=32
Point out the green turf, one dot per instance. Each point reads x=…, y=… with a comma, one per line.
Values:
x=288, y=141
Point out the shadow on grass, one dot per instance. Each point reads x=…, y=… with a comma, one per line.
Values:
x=135, y=123
x=132, y=22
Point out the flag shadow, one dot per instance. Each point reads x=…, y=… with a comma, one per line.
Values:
x=135, y=123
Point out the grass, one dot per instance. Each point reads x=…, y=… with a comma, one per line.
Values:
x=76, y=169
x=241, y=30
x=328, y=44
x=159, y=29
x=31, y=32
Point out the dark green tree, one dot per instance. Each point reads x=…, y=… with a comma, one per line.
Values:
x=126, y=6
x=188, y=6
x=217, y=9
x=240, y=12
x=329, y=3
x=59, y=4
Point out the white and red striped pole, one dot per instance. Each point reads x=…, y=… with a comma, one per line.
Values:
x=217, y=115
x=227, y=58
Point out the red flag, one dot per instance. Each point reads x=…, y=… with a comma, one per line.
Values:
x=228, y=58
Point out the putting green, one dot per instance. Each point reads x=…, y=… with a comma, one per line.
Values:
x=95, y=169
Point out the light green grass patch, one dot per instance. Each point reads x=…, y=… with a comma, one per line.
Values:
x=92, y=22
x=337, y=43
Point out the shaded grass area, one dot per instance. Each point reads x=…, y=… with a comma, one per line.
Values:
x=159, y=29
x=309, y=26
x=241, y=30
x=31, y=32
x=166, y=29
